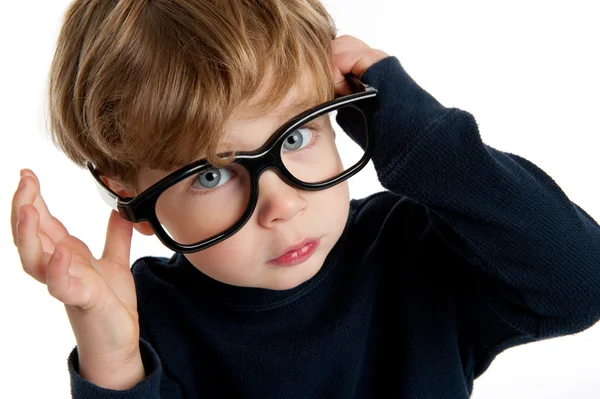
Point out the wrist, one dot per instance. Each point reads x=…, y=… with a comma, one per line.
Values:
x=114, y=374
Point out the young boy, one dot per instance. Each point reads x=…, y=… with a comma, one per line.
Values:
x=280, y=286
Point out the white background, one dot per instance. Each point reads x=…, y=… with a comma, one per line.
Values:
x=527, y=70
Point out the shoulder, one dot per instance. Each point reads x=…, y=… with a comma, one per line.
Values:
x=400, y=236
x=153, y=274
x=150, y=264
x=385, y=215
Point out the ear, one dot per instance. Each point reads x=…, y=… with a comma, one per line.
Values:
x=123, y=191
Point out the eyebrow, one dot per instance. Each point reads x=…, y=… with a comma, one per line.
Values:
x=296, y=108
x=286, y=114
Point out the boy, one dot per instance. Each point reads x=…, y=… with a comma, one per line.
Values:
x=481, y=248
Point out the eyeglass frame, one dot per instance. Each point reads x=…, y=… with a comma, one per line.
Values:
x=142, y=207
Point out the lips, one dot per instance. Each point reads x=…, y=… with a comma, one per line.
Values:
x=294, y=254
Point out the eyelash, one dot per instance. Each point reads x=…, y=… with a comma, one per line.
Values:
x=316, y=129
x=192, y=191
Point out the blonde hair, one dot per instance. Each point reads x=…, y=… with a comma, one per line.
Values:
x=137, y=83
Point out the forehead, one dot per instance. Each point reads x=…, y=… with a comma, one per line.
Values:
x=248, y=130
x=251, y=127
x=301, y=96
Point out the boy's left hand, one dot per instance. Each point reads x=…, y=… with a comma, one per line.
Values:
x=351, y=55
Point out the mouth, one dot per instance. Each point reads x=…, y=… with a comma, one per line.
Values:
x=298, y=253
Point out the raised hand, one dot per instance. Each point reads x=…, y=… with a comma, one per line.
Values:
x=351, y=55
x=98, y=294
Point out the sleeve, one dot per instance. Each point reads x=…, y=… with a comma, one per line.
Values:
x=536, y=254
x=149, y=388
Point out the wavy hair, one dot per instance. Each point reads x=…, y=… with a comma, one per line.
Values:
x=152, y=83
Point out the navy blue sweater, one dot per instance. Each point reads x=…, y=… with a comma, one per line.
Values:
x=469, y=251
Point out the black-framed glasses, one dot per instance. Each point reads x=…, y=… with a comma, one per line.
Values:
x=199, y=205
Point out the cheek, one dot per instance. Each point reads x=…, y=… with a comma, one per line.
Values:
x=228, y=260
x=231, y=250
x=334, y=205
x=341, y=193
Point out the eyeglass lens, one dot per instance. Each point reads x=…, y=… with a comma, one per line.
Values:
x=212, y=201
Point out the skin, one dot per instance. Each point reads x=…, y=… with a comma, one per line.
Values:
x=284, y=215
x=99, y=294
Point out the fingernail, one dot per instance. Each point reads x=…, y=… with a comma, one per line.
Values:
x=21, y=183
x=57, y=254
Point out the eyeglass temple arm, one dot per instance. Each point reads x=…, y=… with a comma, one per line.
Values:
x=107, y=195
x=356, y=84
x=112, y=199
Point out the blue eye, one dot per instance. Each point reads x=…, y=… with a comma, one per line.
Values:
x=297, y=139
x=212, y=178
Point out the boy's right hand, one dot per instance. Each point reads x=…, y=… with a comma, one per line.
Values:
x=98, y=294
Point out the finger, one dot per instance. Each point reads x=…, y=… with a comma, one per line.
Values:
x=29, y=193
x=61, y=285
x=29, y=244
x=342, y=64
x=48, y=223
x=117, y=247
x=347, y=43
x=355, y=63
x=47, y=243
x=29, y=172
x=17, y=202
x=50, y=229
x=23, y=195
x=57, y=274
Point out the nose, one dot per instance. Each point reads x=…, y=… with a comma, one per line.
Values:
x=277, y=201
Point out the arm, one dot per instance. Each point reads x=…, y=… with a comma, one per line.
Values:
x=109, y=374
x=99, y=294
x=147, y=388
x=535, y=254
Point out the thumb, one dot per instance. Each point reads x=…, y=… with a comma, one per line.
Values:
x=353, y=62
x=117, y=247
x=343, y=63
